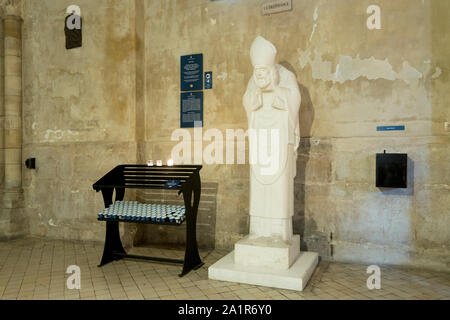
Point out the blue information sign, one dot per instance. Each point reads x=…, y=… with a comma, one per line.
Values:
x=192, y=72
x=391, y=128
x=208, y=80
x=191, y=109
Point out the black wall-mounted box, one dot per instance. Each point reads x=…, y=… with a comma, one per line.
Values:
x=392, y=170
x=31, y=163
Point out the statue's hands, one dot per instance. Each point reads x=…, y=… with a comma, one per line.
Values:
x=258, y=91
x=253, y=97
x=280, y=100
x=256, y=99
x=270, y=88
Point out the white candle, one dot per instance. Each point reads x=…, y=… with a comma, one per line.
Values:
x=159, y=163
x=170, y=163
x=150, y=163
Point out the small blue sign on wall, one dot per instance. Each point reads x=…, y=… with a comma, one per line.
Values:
x=208, y=80
x=192, y=72
x=391, y=128
x=191, y=109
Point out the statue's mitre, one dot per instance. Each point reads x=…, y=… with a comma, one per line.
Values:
x=263, y=52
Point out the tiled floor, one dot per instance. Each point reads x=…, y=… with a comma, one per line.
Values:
x=35, y=269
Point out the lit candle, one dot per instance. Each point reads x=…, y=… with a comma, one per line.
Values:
x=159, y=163
x=170, y=163
x=150, y=163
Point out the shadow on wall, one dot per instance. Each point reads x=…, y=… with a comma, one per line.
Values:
x=306, y=119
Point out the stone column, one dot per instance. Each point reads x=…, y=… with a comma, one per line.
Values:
x=13, y=102
x=12, y=202
x=2, y=105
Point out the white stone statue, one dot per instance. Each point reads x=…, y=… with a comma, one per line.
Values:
x=272, y=102
x=270, y=255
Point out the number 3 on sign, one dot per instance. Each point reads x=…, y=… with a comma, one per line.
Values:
x=374, y=21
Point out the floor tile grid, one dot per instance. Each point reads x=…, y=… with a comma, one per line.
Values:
x=35, y=269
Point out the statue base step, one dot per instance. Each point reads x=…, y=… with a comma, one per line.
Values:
x=294, y=278
x=267, y=252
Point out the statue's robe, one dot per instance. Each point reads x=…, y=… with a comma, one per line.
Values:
x=272, y=191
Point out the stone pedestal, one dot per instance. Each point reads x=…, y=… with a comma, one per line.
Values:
x=267, y=262
x=267, y=252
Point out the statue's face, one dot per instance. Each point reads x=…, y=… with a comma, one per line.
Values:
x=262, y=77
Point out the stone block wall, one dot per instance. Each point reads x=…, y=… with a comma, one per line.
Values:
x=78, y=112
x=116, y=100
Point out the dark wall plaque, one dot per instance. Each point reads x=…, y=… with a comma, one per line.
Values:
x=191, y=109
x=192, y=72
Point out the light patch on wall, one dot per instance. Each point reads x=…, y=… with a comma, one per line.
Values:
x=409, y=74
x=213, y=21
x=437, y=73
x=51, y=223
x=349, y=68
x=56, y=135
x=315, y=17
x=223, y=76
x=313, y=31
x=316, y=14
